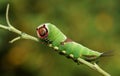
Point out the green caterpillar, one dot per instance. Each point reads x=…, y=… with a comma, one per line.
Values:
x=53, y=37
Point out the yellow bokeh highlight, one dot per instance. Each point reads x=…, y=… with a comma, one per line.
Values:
x=104, y=22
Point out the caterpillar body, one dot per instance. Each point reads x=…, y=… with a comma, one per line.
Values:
x=53, y=37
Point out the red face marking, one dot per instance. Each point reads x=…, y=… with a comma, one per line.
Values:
x=42, y=32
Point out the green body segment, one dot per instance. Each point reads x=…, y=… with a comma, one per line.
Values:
x=55, y=35
x=69, y=48
x=79, y=51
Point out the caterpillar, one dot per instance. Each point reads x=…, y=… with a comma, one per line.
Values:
x=53, y=37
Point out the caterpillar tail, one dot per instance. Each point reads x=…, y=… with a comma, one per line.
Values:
x=107, y=54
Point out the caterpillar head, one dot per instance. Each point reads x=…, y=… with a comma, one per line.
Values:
x=47, y=31
x=42, y=31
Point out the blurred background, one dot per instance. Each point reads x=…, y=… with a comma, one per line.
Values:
x=93, y=23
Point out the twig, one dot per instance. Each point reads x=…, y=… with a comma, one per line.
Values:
x=21, y=34
x=15, y=39
x=27, y=36
x=7, y=19
x=94, y=66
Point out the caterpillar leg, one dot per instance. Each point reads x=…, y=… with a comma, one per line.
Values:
x=76, y=61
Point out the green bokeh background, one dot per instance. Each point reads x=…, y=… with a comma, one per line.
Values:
x=93, y=23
